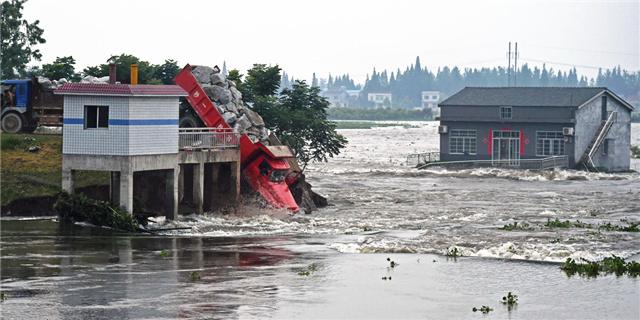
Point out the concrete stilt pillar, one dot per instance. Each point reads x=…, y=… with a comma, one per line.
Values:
x=126, y=190
x=235, y=181
x=172, y=192
x=198, y=187
x=180, y=184
x=211, y=186
x=114, y=187
x=68, y=180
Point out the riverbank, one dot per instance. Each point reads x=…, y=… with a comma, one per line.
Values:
x=362, y=124
x=31, y=174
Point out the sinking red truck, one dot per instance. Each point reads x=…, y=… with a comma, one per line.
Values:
x=264, y=167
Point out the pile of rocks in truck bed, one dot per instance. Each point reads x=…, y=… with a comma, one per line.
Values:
x=54, y=84
x=228, y=100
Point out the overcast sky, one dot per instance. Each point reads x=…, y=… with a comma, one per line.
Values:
x=343, y=36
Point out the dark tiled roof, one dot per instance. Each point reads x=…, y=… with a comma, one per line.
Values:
x=120, y=89
x=523, y=96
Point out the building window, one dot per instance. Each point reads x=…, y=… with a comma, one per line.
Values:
x=434, y=97
x=505, y=112
x=96, y=117
x=549, y=143
x=462, y=141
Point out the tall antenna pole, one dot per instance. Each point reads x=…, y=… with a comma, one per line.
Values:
x=515, y=67
x=509, y=66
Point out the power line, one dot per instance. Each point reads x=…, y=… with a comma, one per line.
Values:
x=587, y=50
x=563, y=63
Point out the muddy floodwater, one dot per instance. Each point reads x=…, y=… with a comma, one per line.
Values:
x=333, y=263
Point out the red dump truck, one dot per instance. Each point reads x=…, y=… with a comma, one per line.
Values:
x=264, y=167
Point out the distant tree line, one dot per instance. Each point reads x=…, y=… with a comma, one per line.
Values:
x=406, y=86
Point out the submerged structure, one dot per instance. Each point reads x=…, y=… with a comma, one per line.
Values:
x=132, y=132
x=587, y=127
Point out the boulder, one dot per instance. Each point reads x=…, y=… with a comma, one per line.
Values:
x=236, y=94
x=254, y=117
x=220, y=109
x=218, y=94
x=218, y=79
x=45, y=82
x=264, y=133
x=202, y=74
x=244, y=124
x=231, y=107
x=229, y=117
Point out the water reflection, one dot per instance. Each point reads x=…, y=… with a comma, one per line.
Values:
x=90, y=272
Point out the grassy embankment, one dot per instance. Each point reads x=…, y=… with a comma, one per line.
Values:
x=35, y=174
x=348, y=124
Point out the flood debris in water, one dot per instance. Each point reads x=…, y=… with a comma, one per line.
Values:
x=194, y=276
x=566, y=224
x=524, y=226
x=510, y=300
x=483, y=309
x=608, y=265
x=309, y=270
x=453, y=253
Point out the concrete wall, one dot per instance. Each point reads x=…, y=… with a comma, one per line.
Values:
x=482, y=138
x=588, y=120
x=137, y=126
x=148, y=138
x=77, y=140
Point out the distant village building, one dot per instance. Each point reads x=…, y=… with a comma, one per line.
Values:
x=380, y=100
x=588, y=125
x=337, y=97
x=430, y=101
x=341, y=97
x=354, y=94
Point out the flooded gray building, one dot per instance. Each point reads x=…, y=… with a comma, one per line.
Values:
x=511, y=126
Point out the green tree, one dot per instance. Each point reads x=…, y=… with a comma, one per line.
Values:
x=95, y=71
x=235, y=76
x=62, y=67
x=297, y=116
x=261, y=81
x=19, y=38
x=167, y=71
x=146, y=71
x=300, y=121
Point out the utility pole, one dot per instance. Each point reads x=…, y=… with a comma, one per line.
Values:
x=509, y=65
x=515, y=67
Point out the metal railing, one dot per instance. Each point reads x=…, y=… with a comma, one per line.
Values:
x=417, y=159
x=207, y=138
x=534, y=164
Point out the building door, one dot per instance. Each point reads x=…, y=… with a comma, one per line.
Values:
x=506, y=148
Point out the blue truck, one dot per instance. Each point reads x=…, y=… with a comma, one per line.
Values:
x=27, y=104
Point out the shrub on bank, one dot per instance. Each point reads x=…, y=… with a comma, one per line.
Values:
x=79, y=208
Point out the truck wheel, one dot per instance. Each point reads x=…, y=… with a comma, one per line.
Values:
x=12, y=122
x=188, y=120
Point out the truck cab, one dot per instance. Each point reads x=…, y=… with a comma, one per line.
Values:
x=15, y=104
